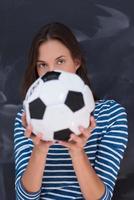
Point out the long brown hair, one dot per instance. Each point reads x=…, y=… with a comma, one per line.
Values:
x=61, y=33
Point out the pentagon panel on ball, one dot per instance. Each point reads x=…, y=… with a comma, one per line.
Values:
x=57, y=103
x=74, y=100
x=34, y=112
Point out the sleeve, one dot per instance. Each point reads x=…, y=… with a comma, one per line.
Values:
x=111, y=147
x=22, y=153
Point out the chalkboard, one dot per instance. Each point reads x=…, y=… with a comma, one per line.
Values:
x=105, y=30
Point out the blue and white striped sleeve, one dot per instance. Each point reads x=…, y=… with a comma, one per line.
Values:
x=112, y=147
x=22, y=153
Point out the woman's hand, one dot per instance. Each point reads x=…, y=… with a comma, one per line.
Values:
x=77, y=142
x=40, y=145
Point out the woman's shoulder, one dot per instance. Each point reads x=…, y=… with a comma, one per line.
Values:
x=112, y=116
x=109, y=109
x=19, y=114
x=107, y=105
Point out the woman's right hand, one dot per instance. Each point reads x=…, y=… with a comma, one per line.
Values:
x=39, y=145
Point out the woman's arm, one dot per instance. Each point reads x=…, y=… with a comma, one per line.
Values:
x=98, y=182
x=112, y=147
x=29, y=162
x=91, y=185
x=32, y=177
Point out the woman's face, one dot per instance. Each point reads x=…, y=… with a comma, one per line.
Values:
x=53, y=55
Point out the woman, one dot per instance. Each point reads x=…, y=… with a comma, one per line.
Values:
x=86, y=166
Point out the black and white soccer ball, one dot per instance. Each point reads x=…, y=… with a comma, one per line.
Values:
x=57, y=103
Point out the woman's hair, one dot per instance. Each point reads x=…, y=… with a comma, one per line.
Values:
x=61, y=33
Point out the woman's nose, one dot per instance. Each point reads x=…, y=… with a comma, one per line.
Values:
x=51, y=68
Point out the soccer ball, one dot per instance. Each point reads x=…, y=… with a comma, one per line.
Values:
x=57, y=103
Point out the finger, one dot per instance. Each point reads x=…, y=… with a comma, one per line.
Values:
x=85, y=132
x=50, y=143
x=92, y=122
x=32, y=136
x=65, y=144
x=28, y=131
x=37, y=139
x=24, y=122
x=77, y=139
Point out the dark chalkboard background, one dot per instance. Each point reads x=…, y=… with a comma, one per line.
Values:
x=105, y=30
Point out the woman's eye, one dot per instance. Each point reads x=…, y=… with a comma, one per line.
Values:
x=61, y=61
x=41, y=65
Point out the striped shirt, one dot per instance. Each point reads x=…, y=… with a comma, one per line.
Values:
x=105, y=149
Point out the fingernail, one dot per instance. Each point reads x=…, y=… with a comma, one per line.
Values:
x=81, y=128
x=71, y=137
x=27, y=135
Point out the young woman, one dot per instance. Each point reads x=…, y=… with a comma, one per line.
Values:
x=86, y=166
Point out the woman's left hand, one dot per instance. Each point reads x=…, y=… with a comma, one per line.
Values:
x=77, y=142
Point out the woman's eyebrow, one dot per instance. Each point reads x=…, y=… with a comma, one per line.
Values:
x=59, y=57
x=41, y=61
x=62, y=56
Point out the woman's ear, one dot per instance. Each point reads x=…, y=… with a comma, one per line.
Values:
x=77, y=63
